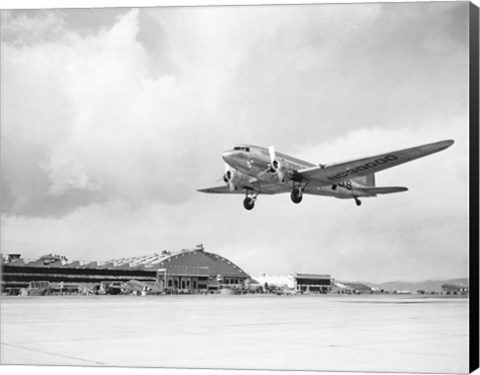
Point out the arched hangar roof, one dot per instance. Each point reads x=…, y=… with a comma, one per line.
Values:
x=200, y=263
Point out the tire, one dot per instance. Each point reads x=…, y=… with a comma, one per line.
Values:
x=296, y=196
x=248, y=203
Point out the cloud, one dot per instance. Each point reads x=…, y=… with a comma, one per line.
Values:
x=94, y=126
x=29, y=27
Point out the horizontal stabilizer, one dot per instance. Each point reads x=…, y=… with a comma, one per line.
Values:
x=383, y=190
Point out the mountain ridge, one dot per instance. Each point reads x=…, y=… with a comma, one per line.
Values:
x=429, y=285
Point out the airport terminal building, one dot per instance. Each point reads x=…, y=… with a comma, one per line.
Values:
x=299, y=282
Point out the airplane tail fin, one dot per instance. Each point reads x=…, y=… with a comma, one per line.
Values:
x=368, y=180
x=370, y=189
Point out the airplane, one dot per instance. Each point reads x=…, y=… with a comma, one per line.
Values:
x=254, y=170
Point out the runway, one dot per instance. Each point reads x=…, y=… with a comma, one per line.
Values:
x=316, y=332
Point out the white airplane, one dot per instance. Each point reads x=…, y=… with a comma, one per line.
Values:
x=253, y=170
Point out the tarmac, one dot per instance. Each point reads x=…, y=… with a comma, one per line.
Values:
x=369, y=333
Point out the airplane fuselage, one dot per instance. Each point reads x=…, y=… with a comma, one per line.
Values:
x=255, y=162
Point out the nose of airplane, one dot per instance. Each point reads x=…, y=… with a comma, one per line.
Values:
x=229, y=156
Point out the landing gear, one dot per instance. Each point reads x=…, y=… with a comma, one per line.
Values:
x=249, y=201
x=296, y=194
x=358, y=202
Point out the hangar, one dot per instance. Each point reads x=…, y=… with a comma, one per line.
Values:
x=193, y=270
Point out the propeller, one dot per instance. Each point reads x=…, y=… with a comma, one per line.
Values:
x=228, y=176
x=275, y=166
x=271, y=151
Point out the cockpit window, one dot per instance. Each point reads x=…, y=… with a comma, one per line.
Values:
x=242, y=148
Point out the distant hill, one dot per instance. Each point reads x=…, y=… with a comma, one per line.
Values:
x=427, y=285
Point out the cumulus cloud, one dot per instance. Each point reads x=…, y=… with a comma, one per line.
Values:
x=86, y=122
x=31, y=27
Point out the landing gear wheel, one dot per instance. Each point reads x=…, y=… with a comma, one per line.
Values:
x=248, y=203
x=296, y=196
x=358, y=202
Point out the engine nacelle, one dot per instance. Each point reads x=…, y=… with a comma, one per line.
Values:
x=277, y=168
x=227, y=177
x=235, y=179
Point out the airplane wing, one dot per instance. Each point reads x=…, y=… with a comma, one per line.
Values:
x=221, y=190
x=334, y=173
x=261, y=188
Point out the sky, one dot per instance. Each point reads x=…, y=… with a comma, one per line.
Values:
x=112, y=118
